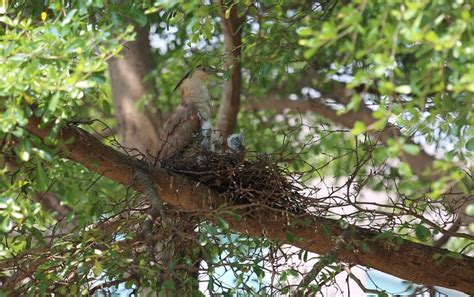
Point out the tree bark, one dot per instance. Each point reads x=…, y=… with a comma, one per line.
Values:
x=411, y=261
x=230, y=102
x=138, y=129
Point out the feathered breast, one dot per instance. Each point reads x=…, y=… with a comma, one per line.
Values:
x=179, y=131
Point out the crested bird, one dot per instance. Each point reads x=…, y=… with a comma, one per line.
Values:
x=191, y=118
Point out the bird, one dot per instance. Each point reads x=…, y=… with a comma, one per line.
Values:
x=235, y=142
x=191, y=118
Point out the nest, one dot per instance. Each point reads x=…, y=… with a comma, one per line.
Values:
x=256, y=181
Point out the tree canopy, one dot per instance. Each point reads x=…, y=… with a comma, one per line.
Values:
x=359, y=141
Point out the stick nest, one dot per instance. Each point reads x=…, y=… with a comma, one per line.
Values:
x=257, y=180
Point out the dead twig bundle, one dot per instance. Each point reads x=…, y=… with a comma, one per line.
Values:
x=257, y=180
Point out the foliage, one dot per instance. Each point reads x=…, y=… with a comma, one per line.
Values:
x=410, y=62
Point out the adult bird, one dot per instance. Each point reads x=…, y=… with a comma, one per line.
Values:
x=191, y=118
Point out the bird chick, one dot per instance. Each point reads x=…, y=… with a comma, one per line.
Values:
x=235, y=142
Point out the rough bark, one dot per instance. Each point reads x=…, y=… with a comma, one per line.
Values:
x=230, y=102
x=137, y=129
x=411, y=261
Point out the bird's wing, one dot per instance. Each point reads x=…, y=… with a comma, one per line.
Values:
x=179, y=131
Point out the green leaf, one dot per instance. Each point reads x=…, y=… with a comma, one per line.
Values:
x=326, y=230
x=405, y=169
x=411, y=149
x=236, y=216
x=97, y=269
x=359, y=127
x=53, y=103
x=343, y=224
x=403, y=89
x=6, y=225
x=42, y=154
x=456, y=256
x=223, y=223
x=211, y=229
x=365, y=247
x=138, y=16
x=305, y=31
x=422, y=233
x=386, y=235
x=69, y=17
x=437, y=256
x=290, y=237
x=470, y=145
x=41, y=179
x=169, y=284
x=310, y=52
x=354, y=103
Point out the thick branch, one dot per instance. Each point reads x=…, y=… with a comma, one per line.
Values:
x=230, y=103
x=119, y=167
x=410, y=261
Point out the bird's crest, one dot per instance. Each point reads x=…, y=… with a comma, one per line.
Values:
x=184, y=77
x=200, y=67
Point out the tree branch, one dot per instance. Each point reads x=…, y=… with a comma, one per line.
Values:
x=341, y=94
x=364, y=114
x=411, y=261
x=421, y=164
x=109, y=284
x=155, y=202
x=230, y=103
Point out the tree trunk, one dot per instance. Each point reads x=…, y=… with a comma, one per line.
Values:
x=230, y=102
x=139, y=129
